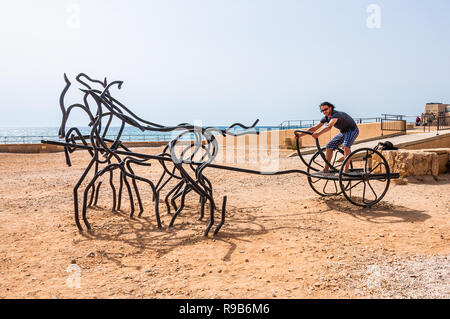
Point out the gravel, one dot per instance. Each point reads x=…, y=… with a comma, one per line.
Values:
x=413, y=277
x=418, y=278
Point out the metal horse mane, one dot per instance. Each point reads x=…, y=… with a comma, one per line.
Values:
x=113, y=155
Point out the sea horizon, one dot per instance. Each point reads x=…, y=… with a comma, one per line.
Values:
x=34, y=134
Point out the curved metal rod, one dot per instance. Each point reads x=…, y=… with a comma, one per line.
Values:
x=173, y=190
x=78, y=78
x=135, y=177
x=61, y=132
x=319, y=149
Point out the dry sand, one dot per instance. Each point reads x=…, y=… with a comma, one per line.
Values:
x=281, y=240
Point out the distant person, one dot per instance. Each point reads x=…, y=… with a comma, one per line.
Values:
x=344, y=123
x=417, y=121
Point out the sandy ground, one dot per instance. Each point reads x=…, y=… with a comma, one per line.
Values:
x=281, y=240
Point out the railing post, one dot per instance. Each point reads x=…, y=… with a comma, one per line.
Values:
x=437, y=126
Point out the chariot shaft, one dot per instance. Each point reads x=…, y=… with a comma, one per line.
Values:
x=356, y=176
x=168, y=159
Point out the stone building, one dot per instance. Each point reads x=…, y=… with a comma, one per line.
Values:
x=435, y=110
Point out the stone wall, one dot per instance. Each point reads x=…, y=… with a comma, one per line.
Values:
x=418, y=162
x=438, y=141
x=30, y=148
x=49, y=148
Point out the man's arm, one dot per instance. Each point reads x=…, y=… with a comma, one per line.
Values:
x=312, y=129
x=326, y=129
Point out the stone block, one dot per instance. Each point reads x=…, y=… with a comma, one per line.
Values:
x=412, y=162
x=443, y=158
x=289, y=142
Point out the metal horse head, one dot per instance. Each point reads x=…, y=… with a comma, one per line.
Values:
x=85, y=106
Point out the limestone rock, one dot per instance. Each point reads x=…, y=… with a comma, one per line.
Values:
x=415, y=162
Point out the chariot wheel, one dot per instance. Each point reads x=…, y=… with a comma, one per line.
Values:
x=328, y=185
x=368, y=178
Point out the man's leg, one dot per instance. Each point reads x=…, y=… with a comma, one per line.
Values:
x=328, y=156
x=331, y=146
x=347, y=151
x=349, y=139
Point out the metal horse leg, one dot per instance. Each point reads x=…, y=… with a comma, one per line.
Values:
x=109, y=168
x=119, y=193
x=211, y=215
x=222, y=220
x=202, y=207
x=133, y=179
x=130, y=193
x=185, y=191
x=174, y=197
x=75, y=193
x=93, y=187
x=175, y=189
x=97, y=190
x=155, y=193
x=111, y=183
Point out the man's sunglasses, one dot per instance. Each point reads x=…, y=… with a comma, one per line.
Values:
x=323, y=110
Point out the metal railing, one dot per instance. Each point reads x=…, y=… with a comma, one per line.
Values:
x=393, y=125
x=442, y=123
x=362, y=120
x=433, y=123
x=291, y=124
x=393, y=117
x=429, y=121
x=389, y=122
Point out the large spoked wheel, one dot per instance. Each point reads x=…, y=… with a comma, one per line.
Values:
x=368, y=178
x=325, y=186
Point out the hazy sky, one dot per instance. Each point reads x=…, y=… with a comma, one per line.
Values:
x=222, y=61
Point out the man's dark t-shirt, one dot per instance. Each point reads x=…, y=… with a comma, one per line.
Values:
x=344, y=123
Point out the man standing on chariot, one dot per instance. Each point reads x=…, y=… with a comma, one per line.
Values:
x=344, y=123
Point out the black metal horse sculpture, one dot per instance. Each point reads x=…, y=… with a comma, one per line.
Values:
x=188, y=165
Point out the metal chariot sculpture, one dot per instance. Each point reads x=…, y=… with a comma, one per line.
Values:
x=364, y=185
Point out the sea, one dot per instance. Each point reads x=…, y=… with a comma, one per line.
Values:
x=30, y=135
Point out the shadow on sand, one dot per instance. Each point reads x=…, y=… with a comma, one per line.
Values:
x=242, y=224
x=380, y=213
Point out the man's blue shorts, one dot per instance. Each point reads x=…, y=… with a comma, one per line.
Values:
x=347, y=138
